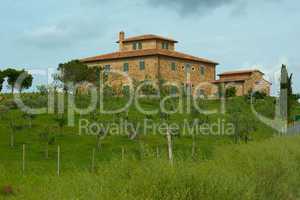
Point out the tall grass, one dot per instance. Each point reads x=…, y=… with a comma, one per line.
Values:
x=265, y=170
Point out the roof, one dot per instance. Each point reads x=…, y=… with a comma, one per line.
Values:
x=240, y=72
x=146, y=52
x=230, y=80
x=147, y=37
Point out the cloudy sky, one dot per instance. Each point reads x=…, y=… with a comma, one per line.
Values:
x=239, y=34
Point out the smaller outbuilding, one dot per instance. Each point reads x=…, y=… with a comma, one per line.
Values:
x=245, y=81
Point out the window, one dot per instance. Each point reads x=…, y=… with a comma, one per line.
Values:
x=126, y=67
x=107, y=68
x=165, y=45
x=202, y=70
x=187, y=68
x=134, y=45
x=137, y=45
x=173, y=66
x=140, y=45
x=142, y=65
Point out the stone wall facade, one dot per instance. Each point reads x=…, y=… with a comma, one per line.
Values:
x=160, y=68
x=147, y=44
x=257, y=83
x=244, y=83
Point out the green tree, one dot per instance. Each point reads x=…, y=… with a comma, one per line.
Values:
x=27, y=82
x=287, y=98
x=2, y=76
x=13, y=75
x=75, y=72
x=291, y=98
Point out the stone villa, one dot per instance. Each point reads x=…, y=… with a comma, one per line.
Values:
x=152, y=57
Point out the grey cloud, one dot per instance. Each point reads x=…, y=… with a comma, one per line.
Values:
x=188, y=7
x=64, y=33
x=201, y=7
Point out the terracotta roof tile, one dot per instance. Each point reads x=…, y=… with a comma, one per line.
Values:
x=148, y=52
x=239, y=72
x=147, y=37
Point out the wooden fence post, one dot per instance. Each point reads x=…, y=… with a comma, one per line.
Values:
x=142, y=150
x=93, y=160
x=23, y=158
x=123, y=153
x=58, y=160
x=170, y=151
x=193, y=146
x=47, y=151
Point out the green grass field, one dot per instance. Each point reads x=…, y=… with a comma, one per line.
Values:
x=219, y=168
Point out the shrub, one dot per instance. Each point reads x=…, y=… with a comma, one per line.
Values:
x=35, y=102
x=7, y=190
x=108, y=91
x=255, y=95
x=43, y=90
x=11, y=104
x=149, y=90
x=259, y=95
x=126, y=91
x=231, y=92
x=3, y=111
x=296, y=97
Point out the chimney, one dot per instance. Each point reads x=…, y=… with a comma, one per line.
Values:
x=121, y=40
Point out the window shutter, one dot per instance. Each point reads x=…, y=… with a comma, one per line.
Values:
x=126, y=67
x=202, y=70
x=187, y=68
x=142, y=65
x=107, y=68
x=173, y=66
